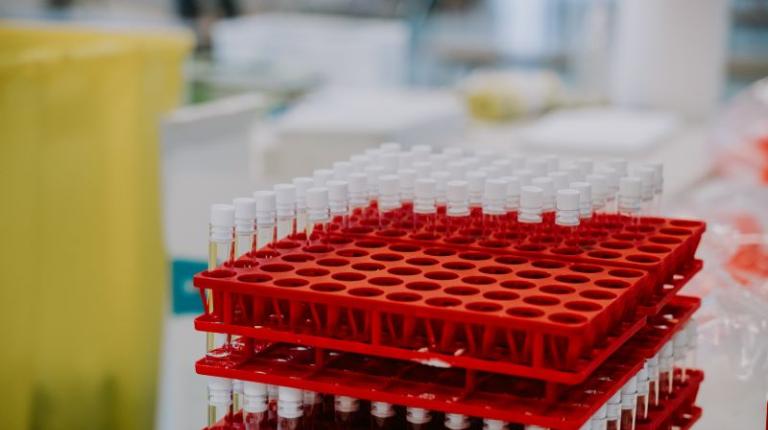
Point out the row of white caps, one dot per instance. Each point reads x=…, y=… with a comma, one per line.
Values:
x=498, y=184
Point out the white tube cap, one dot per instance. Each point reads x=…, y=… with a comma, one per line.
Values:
x=341, y=169
x=222, y=215
x=560, y=179
x=585, y=198
x=390, y=147
x=525, y=176
x=285, y=198
x=317, y=203
x=390, y=161
x=245, y=213
x=548, y=192
x=302, y=184
x=457, y=195
x=538, y=166
x=389, y=192
x=321, y=176
x=266, y=205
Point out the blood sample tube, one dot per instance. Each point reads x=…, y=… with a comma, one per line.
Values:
x=390, y=147
x=567, y=215
x=389, y=199
x=599, y=419
x=585, y=199
x=302, y=184
x=289, y=410
x=618, y=164
x=221, y=250
x=383, y=416
x=658, y=186
x=679, y=352
x=318, y=214
x=219, y=400
x=599, y=191
x=611, y=188
x=245, y=225
x=405, y=160
x=666, y=361
x=613, y=412
x=374, y=173
x=647, y=181
x=504, y=166
x=476, y=185
x=486, y=156
x=266, y=216
x=417, y=418
x=490, y=424
x=457, y=211
x=345, y=412
x=531, y=203
x=494, y=200
x=441, y=199
x=456, y=422
x=338, y=194
x=457, y=169
x=424, y=208
x=629, y=404
x=547, y=198
x=255, y=415
x=285, y=200
x=341, y=170
x=321, y=177
x=643, y=391
x=573, y=171
x=407, y=183
x=313, y=409
x=629, y=197
x=358, y=195
x=654, y=394
x=512, y=201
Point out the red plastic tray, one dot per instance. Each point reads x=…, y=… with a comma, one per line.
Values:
x=453, y=390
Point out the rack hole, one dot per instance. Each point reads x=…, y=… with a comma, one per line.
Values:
x=533, y=274
x=422, y=261
x=484, y=307
x=458, y=265
x=643, y=258
x=583, y=306
x=287, y=244
x=441, y=276
x=541, y=300
x=459, y=240
x=474, y=256
x=654, y=249
x=604, y=255
x=495, y=270
x=348, y=276
x=462, y=291
x=370, y=244
x=443, y=302
x=245, y=264
x=422, y=286
x=404, y=248
x=529, y=247
x=614, y=284
x=616, y=245
x=511, y=260
x=391, y=233
x=403, y=297
x=586, y=268
x=424, y=236
x=496, y=244
x=653, y=220
x=291, y=282
x=385, y=281
x=556, y=289
x=297, y=258
x=631, y=237
x=479, y=280
x=597, y=295
x=404, y=271
x=501, y=295
x=312, y=271
x=339, y=240
x=548, y=264
x=625, y=273
x=675, y=231
x=387, y=257
x=265, y=253
x=572, y=279
x=352, y=252
x=366, y=292
x=439, y=252
x=518, y=285
x=277, y=267
x=368, y=267
x=254, y=278
x=567, y=250
x=567, y=318
x=327, y=287
x=664, y=240
x=333, y=262
x=318, y=249
x=525, y=312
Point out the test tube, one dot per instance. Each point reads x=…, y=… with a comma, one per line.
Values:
x=321, y=176
x=341, y=170
x=643, y=391
x=692, y=334
x=599, y=191
x=439, y=162
x=567, y=215
x=629, y=197
x=266, y=216
x=553, y=162
x=313, y=409
x=618, y=164
x=512, y=201
x=658, y=186
x=504, y=166
x=457, y=169
x=525, y=176
x=374, y=173
x=599, y=419
x=611, y=188
x=560, y=180
x=318, y=213
x=547, y=197
x=358, y=193
x=359, y=162
x=219, y=400
x=679, y=353
x=221, y=234
x=383, y=416
x=424, y=208
x=417, y=418
x=285, y=203
x=389, y=199
x=421, y=152
x=245, y=225
x=273, y=394
x=517, y=162
x=405, y=160
x=302, y=184
x=255, y=406
x=613, y=412
x=289, y=410
x=345, y=412
x=390, y=147
x=338, y=204
x=647, y=181
x=457, y=210
x=390, y=161
x=531, y=202
x=653, y=380
x=441, y=178
x=423, y=169
x=475, y=186
x=494, y=200
x=665, y=369
x=573, y=171
x=490, y=424
x=629, y=404
x=456, y=422
x=585, y=198
x=538, y=166
x=237, y=395
x=407, y=183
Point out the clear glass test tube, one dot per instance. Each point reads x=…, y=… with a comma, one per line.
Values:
x=266, y=207
x=494, y=206
x=383, y=416
x=567, y=212
x=285, y=200
x=643, y=393
x=629, y=404
x=255, y=406
x=302, y=184
x=245, y=225
x=418, y=418
x=219, y=400
x=529, y=217
x=424, y=206
x=318, y=214
x=221, y=250
x=389, y=200
x=289, y=409
x=457, y=209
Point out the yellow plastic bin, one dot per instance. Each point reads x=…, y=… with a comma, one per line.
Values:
x=82, y=281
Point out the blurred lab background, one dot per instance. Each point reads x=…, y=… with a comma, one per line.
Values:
x=121, y=121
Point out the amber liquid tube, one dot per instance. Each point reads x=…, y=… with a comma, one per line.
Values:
x=302, y=184
x=318, y=214
x=285, y=204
